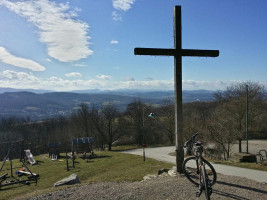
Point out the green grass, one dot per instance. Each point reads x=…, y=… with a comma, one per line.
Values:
x=234, y=160
x=108, y=166
x=257, y=166
x=134, y=146
x=125, y=147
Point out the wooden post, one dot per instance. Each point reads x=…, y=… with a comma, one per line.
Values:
x=178, y=89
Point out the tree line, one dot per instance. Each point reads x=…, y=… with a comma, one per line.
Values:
x=221, y=122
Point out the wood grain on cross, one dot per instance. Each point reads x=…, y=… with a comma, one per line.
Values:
x=178, y=53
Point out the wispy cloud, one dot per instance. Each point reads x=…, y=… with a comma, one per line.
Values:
x=116, y=16
x=23, y=80
x=79, y=65
x=17, y=79
x=66, y=38
x=114, y=42
x=123, y=5
x=130, y=79
x=104, y=77
x=74, y=74
x=10, y=59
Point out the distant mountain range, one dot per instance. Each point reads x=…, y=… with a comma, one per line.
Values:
x=40, y=104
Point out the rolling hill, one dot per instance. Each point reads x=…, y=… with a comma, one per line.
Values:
x=50, y=104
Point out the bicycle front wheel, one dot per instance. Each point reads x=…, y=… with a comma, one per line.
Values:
x=205, y=182
x=191, y=170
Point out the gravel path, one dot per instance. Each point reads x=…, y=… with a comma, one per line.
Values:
x=162, y=187
x=254, y=146
x=162, y=154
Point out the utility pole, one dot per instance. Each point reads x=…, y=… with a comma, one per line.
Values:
x=247, y=116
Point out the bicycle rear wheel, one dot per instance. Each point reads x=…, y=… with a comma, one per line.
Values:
x=191, y=171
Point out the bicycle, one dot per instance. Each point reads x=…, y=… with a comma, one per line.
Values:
x=198, y=170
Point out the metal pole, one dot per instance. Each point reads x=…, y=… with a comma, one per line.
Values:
x=73, y=160
x=67, y=162
x=144, y=153
x=247, y=116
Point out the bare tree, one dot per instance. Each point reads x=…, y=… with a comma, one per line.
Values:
x=222, y=131
x=109, y=123
x=135, y=112
x=85, y=120
x=167, y=119
x=233, y=101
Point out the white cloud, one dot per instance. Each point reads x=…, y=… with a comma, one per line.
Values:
x=79, y=65
x=48, y=60
x=130, y=79
x=74, y=74
x=123, y=5
x=116, y=16
x=114, y=42
x=66, y=38
x=10, y=59
x=22, y=80
x=10, y=78
x=104, y=77
x=55, y=79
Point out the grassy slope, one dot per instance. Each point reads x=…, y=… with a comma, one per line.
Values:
x=109, y=166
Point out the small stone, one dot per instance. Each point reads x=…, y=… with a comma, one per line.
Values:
x=161, y=171
x=72, y=179
x=148, y=177
x=172, y=173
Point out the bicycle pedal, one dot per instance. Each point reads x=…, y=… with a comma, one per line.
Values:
x=198, y=194
x=210, y=191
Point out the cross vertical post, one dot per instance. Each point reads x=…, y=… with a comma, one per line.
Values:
x=177, y=52
x=177, y=29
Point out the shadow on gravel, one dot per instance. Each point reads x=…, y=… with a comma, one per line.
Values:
x=242, y=187
x=228, y=195
x=233, y=196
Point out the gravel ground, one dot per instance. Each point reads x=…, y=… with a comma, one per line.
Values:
x=162, y=187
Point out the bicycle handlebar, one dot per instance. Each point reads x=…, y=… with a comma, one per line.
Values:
x=193, y=138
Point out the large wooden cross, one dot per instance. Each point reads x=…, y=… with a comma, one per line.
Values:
x=177, y=52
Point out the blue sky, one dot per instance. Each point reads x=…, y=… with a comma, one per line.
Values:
x=89, y=44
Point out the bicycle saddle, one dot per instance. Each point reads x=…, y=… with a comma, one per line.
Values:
x=198, y=143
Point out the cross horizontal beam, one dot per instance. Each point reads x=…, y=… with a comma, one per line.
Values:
x=176, y=52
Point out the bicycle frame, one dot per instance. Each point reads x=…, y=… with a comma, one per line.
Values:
x=201, y=170
x=197, y=174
